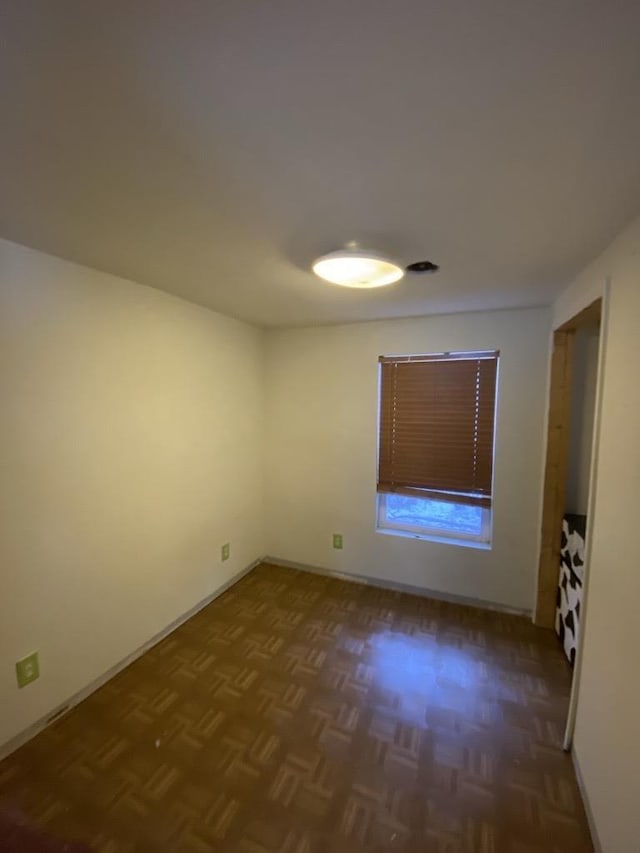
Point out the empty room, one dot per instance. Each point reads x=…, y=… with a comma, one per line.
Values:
x=319, y=423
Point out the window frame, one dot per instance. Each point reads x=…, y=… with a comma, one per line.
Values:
x=484, y=539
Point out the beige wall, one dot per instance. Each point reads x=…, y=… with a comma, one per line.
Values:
x=607, y=746
x=321, y=419
x=131, y=435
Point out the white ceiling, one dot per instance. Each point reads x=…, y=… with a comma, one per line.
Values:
x=213, y=149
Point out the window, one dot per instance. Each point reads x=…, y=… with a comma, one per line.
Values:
x=436, y=438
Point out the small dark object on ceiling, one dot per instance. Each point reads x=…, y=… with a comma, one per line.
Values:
x=422, y=266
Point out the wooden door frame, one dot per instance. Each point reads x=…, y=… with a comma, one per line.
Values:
x=557, y=461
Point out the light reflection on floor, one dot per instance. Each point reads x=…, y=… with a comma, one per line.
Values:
x=423, y=671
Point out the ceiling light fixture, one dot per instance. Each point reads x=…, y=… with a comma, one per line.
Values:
x=354, y=267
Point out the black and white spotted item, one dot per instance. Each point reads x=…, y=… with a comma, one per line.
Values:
x=570, y=583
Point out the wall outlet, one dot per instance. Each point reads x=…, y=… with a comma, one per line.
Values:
x=27, y=669
x=337, y=541
x=225, y=551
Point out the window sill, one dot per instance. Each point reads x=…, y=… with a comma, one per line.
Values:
x=430, y=537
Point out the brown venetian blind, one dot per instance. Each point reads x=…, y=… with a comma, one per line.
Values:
x=437, y=426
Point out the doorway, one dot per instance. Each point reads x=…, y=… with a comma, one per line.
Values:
x=573, y=391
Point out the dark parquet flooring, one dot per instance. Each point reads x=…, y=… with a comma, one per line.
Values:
x=302, y=714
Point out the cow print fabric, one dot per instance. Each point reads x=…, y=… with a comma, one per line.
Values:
x=570, y=583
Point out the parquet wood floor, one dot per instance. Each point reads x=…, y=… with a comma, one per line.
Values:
x=303, y=714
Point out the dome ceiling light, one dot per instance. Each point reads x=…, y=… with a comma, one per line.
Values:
x=362, y=268
x=357, y=268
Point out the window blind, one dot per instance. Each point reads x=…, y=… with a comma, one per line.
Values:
x=436, y=431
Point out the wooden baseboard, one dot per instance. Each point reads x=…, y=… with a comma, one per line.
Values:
x=400, y=587
x=61, y=709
